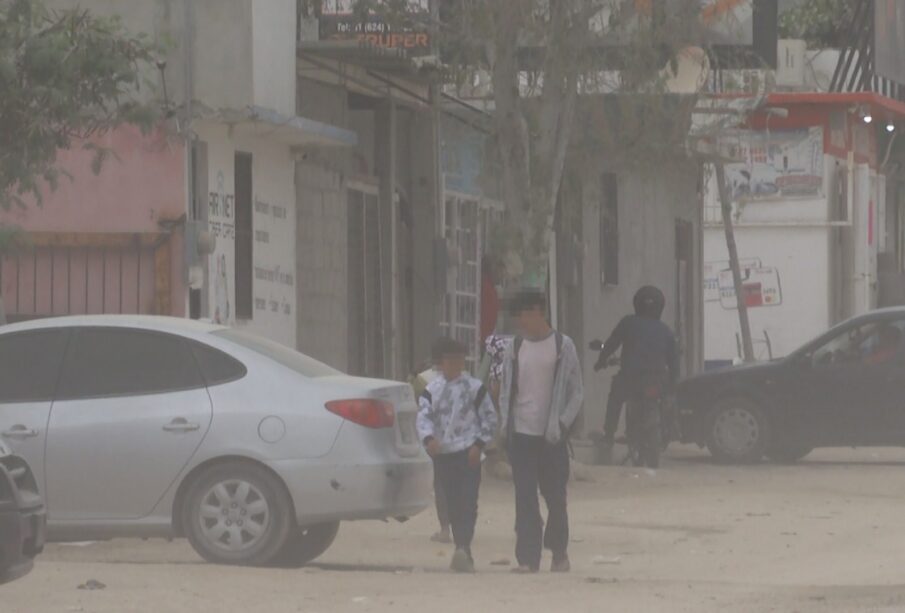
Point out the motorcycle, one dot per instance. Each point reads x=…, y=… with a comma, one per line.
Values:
x=650, y=422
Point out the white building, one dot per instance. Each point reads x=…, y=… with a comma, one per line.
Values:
x=816, y=206
x=227, y=83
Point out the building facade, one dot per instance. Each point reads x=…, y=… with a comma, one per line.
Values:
x=201, y=214
x=621, y=226
x=817, y=208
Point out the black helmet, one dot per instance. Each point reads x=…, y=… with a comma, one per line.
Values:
x=649, y=302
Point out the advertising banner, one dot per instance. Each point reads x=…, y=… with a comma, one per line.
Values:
x=761, y=288
x=781, y=164
x=407, y=30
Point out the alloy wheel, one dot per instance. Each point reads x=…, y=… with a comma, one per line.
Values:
x=234, y=516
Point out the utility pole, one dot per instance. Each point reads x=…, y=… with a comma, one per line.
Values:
x=734, y=265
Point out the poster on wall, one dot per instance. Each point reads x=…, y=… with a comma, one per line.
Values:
x=339, y=21
x=712, y=271
x=760, y=285
x=221, y=216
x=778, y=164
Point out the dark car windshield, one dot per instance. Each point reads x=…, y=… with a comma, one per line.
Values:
x=851, y=327
x=289, y=358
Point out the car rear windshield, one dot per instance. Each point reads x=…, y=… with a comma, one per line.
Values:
x=289, y=358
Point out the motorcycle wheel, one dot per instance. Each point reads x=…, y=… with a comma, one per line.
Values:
x=653, y=443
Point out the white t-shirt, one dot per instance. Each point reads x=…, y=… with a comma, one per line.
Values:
x=536, y=371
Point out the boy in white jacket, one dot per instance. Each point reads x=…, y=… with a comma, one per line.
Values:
x=456, y=421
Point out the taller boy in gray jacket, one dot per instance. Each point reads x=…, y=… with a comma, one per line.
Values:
x=540, y=399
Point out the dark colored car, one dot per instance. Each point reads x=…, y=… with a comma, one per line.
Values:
x=22, y=518
x=846, y=388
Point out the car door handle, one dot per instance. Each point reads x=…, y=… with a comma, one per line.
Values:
x=180, y=424
x=19, y=433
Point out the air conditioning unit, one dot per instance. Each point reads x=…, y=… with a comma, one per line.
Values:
x=790, y=63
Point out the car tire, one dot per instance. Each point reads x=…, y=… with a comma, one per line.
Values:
x=789, y=453
x=738, y=431
x=306, y=545
x=237, y=513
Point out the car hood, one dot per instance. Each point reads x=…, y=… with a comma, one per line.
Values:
x=742, y=371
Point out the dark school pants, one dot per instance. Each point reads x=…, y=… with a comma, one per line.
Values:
x=460, y=484
x=538, y=465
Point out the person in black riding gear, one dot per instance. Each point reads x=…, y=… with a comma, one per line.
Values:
x=648, y=348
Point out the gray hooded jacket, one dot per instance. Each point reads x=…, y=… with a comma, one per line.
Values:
x=568, y=392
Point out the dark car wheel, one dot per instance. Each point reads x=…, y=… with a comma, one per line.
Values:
x=307, y=544
x=739, y=431
x=237, y=513
x=788, y=453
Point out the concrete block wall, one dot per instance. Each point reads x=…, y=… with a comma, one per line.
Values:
x=322, y=261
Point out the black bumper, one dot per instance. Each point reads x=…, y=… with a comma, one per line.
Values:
x=23, y=529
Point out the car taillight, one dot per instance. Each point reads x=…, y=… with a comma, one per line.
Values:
x=369, y=413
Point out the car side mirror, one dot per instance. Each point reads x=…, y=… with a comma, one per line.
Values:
x=596, y=345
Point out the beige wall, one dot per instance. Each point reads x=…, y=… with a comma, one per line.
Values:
x=273, y=221
x=223, y=53
x=243, y=50
x=649, y=205
x=273, y=29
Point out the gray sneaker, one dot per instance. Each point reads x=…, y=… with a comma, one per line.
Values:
x=462, y=562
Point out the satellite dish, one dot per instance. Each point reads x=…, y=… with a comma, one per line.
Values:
x=693, y=66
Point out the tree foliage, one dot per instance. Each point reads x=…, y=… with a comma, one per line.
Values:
x=570, y=80
x=822, y=23
x=65, y=76
x=534, y=61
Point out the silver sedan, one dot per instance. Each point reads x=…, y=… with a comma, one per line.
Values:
x=151, y=426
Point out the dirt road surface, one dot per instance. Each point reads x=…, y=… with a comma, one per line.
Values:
x=824, y=535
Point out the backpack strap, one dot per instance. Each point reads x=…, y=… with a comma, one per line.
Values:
x=510, y=410
x=479, y=398
x=516, y=346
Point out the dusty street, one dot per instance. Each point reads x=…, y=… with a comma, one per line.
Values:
x=825, y=535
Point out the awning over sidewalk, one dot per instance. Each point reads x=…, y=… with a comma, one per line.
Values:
x=260, y=122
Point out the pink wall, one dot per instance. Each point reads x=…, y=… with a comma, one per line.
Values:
x=143, y=183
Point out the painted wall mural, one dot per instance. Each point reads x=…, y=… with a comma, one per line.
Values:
x=779, y=164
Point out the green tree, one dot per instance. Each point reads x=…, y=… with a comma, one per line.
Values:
x=65, y=77
x=539, y=58
x=822, y=23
